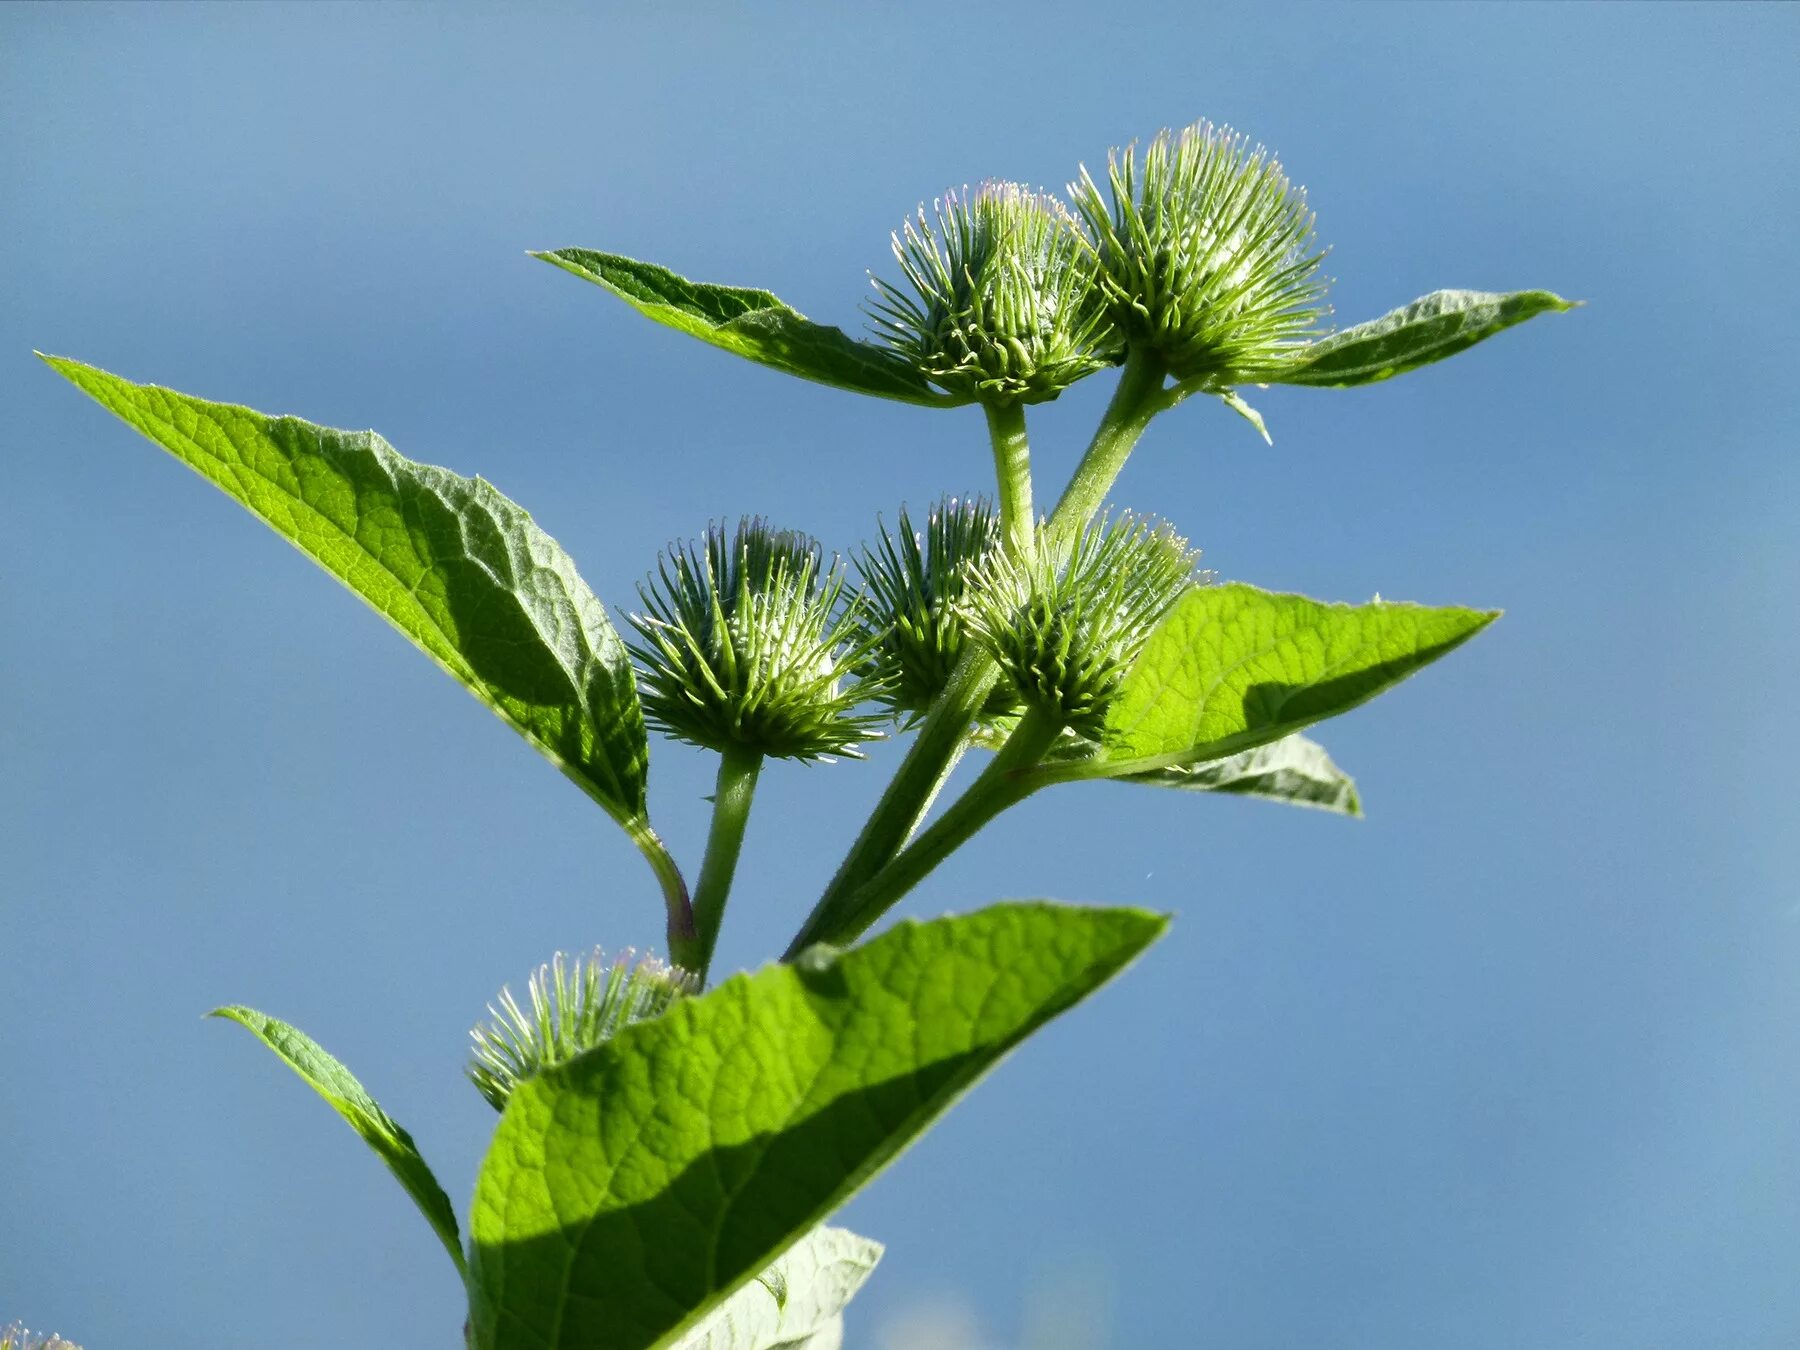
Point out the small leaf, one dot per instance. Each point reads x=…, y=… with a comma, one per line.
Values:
x=1233, y=667
x=1293, y=769
x=1429, y=329
x=1236, y=403
x=797, y=1303
x=338, y=1086
x=459, y=569
x=755, y=325
x=628, y=1192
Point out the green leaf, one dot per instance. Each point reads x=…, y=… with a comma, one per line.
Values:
x=629, y=1191
x=1429, y=329
x=455, y=566
x=338, y=1086
x=1232, y=667
x=797, y=1303
x=1293, y=769
x=755, y=325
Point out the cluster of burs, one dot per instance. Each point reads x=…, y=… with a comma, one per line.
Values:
x=1199, y=259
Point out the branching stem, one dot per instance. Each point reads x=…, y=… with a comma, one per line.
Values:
x=843, y=911
x=1002, y=784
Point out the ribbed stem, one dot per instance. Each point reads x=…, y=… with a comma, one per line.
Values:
x=738, y=768
x=1012, y=471
x=1138, y=398
x=1001, y=784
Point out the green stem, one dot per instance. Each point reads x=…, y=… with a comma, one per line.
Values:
x=915, y=783
x=1138, y=398
x=668, y=876
x=937, y=787
x=738, y=768
x=1012, y=471
x=1002, y=784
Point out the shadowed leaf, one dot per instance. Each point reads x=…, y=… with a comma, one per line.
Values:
x=628, y=1192
x=754, y=325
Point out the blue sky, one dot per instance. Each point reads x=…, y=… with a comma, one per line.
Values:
x=1514, y=1061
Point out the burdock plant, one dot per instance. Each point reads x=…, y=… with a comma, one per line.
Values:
x=671, y=1144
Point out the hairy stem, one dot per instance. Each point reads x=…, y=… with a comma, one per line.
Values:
x=1138, y=398
x=937, y=787
x=1012, y=471
x=940, y=740
x=1002, y=784
x=738, y=768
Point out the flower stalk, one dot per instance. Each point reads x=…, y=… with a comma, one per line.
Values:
x=1012, y=472
x=736, y=786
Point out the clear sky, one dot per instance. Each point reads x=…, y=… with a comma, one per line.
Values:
x=1513, y=1062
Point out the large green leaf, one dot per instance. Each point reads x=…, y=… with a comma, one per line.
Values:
x=1232, y=667
x=798, y=1303
x=629, y=1191
x=338, y=1086
x=450, y=562
x=1293, y=769
x=1429, y=329
x=754, y=324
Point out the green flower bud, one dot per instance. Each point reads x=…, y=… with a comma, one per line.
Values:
x=573, y=1009
x=1003, y=306
x=1206, y=256
x=15, y=1337
x=1066, y=627
x=913, y=631
x=744, y=645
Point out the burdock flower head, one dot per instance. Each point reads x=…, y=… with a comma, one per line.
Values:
x=1002, y=306
x=1067, y=626
x=574, y=1007
x=15, y=1337
x=914, y=582
x=1206, y=256
x=745, y=645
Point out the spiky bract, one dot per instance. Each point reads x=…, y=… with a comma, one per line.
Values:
x=745, y=645
x=1067, y=626
x=1206, y=255
x=1002, y=305
x=913, y=583
x=573, y=1009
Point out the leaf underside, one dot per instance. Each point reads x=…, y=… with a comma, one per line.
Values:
x=628, y=1192
x=1293, y=770
x=753, y=324
x=459, y=569
x=1429, y=329
x=796, y=1304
